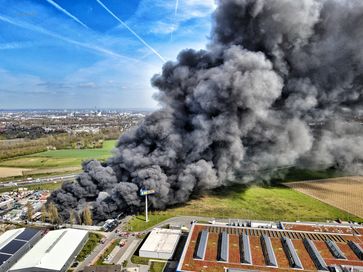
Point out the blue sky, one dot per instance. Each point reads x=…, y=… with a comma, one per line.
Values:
x=93, y=53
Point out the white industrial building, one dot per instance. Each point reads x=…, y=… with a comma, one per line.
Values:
x=14, y=244
x=55, y=252
x=160, y=244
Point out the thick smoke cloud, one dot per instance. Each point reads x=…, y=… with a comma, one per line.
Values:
x=280, y=84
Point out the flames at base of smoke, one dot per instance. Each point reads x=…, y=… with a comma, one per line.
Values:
x=278, y=85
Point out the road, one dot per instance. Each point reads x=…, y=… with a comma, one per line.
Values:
x=96, y=252
x=52, y=179
x=126, y=252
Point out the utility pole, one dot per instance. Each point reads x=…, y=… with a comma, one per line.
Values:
x=146, y=210
x=146, y=193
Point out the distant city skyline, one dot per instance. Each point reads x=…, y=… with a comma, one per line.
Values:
x=93, y=53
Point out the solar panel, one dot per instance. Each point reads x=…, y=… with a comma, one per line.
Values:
x=356, y=249
x=268, y=251
x=245, y=249
x=4, y=258
x=202, y=245
x=291, y=254
x=12, y=247
x=315, y=255
x=334, y=249
x=27, y=234
x=223, y=247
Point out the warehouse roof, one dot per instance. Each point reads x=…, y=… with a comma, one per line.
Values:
x=162, y=240
x=6, y=237
x=52, y=251
x=14, y=240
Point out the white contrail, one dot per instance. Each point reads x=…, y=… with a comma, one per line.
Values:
x=15, y=45
x=133, y=32
x=175, y=14
x=54, y=4
x=65, y=39
x=176, y=7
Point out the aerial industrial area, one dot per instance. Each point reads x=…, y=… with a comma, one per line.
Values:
x=178, y=245
x=242, y=154
x=33, y=239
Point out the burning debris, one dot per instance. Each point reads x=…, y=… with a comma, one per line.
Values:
x=272, y=68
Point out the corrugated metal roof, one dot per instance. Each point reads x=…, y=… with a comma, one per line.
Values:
x=202, y=245
x=335, y=250
x=291, y=254
x=268, y=251
x=223, y=248
x=315, y=255
x=52, y=251
x=246, y=249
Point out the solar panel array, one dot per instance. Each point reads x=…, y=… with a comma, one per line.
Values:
x=7, y=251
x=223, y=247
x=315, y=255
x=4, y=258
x=268, y=251
x=245, y=249
x=335, y=250
x=291, y=254
x=356, y=249
x=202, y=245
x=27, y=234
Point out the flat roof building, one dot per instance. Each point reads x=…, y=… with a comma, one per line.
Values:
x=54, y=252
x=218, y=248
x=14, y=244
x=160, y=244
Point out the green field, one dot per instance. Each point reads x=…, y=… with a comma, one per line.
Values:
x=61, y=158
x=277, y=203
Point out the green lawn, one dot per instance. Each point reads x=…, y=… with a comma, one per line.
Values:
x=61, y=158
x=157, y=266
x=276, y=203
x=93, y=240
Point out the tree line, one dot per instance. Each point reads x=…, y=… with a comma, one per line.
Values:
x=20, y=147
x=49, y=213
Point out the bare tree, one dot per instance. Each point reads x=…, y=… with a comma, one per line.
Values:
x=44, y=213
x=29, y=211
x=53, y=213
x=87, y=216
x=72, y=217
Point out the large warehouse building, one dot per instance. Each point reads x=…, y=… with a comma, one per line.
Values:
x=160, y=244
x=306, y=247
x=55, y=252
x=14, y=244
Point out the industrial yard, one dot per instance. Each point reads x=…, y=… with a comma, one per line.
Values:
x=239, y=248
x=345, y=193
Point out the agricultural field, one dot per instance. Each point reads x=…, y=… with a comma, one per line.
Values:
x=11, y=171
x=344, y=193
x=277, y=203
x=55, y=161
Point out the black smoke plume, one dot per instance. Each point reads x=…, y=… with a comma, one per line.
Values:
x=281, y=83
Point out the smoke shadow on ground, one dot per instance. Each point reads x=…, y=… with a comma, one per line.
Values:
x=298, y=174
